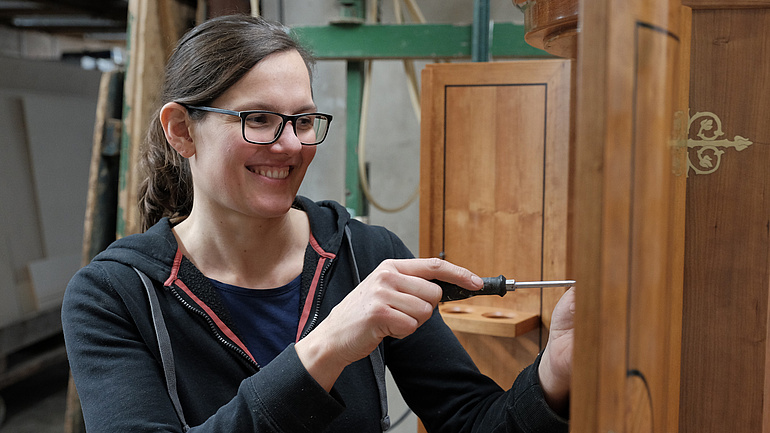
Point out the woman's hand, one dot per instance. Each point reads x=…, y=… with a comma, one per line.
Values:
x=393, y=301
x=555, y=370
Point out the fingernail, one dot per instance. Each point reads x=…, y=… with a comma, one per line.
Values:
x=477, y=280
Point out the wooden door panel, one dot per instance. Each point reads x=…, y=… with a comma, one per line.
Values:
x=494, y=194
x=629, y=220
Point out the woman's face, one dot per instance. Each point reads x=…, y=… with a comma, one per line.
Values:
x=232, y=177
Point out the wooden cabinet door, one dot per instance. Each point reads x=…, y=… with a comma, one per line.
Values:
x=494, y=196
x=628, y=225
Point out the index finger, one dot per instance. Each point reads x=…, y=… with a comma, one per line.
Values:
x=437, y=269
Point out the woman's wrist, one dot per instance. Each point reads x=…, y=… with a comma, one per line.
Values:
x=320, y=361
x=555, y=390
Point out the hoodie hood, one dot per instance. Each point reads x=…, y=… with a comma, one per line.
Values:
x=153, y=251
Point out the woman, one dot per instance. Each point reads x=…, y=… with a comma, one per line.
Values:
x=258, y=288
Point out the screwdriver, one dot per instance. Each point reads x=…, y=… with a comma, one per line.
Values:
x=494, y=286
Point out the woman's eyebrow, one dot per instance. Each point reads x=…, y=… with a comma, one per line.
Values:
x=309, y=108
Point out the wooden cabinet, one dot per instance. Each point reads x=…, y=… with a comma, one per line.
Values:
x=494, y=197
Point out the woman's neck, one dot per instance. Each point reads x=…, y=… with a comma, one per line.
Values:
x=257, y=254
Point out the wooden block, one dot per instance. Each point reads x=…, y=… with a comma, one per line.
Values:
x=477, y=319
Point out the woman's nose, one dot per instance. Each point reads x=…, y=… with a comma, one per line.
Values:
x=288, y=141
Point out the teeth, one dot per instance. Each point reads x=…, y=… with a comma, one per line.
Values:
x=274, y=174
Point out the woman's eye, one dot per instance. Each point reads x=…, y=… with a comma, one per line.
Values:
x=260, y=119
x=305, y=122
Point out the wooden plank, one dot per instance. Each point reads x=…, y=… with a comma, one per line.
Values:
x=477, y=319
x=628, y=200
x=217, y=8
x=101, y=205
x=726, y=371
x=151, y=42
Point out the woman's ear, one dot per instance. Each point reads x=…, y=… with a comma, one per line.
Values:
x=176, y=126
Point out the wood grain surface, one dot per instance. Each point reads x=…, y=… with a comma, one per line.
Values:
x=628, y=225
x=494, y=192
x=727, y=275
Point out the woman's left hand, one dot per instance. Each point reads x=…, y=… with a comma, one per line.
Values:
x=555, y=370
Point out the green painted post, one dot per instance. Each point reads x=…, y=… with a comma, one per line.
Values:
x=481, y=32
x=353, y=15
x=355, y=200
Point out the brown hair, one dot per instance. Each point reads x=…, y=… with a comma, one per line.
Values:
x=206, y=62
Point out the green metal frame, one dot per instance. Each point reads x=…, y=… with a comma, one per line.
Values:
x=414, y=41
x=355, y=200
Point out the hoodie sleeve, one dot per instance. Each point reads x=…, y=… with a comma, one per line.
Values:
x=441, y=383
x=468, y=400
x=120, y=381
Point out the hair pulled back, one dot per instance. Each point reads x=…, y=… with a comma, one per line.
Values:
x=206, y=62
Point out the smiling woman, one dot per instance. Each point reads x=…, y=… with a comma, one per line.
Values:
x=249, y=297
x=223, y=163
x=196, y=75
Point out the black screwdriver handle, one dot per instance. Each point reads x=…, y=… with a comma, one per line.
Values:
x=453, y=292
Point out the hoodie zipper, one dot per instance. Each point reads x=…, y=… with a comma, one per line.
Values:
x=213, y=327
x=318, y=297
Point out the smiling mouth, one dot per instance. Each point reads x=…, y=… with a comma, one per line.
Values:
x=276, y=173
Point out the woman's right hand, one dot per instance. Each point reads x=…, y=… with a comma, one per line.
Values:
x=393, y=301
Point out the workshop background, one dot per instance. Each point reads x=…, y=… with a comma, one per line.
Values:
x=49, y=83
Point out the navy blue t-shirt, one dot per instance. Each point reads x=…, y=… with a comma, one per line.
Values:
x=266, y=319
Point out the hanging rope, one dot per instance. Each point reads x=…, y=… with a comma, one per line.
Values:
x=414, y=97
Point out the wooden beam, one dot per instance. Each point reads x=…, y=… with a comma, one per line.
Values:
x=155, y=27
x=216, y=8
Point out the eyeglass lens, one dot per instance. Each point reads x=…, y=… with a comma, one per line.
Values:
x=266, y=127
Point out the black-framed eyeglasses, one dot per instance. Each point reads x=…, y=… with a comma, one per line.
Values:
x=264, y=127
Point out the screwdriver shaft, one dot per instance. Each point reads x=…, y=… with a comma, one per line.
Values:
x=511, y=285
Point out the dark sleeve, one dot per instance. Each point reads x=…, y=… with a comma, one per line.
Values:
x=120, y=381
x=443, y=386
